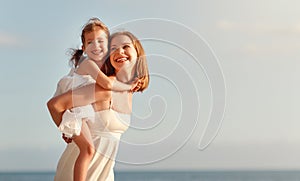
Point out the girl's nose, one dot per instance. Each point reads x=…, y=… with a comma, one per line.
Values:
x=96, y=44
x=93, y=45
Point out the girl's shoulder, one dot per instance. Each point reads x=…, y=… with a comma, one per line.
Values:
x=84, y=66
x=86, y=61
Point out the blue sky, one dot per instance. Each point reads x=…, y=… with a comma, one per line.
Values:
x=255, y=42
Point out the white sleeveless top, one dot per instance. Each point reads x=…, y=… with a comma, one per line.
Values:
x=72, y=81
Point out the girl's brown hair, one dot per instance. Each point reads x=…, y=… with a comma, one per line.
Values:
x=90, y=26
x=141, y=71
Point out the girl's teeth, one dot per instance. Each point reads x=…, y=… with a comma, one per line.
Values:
x=96, y=52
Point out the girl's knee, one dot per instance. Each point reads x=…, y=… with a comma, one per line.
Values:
x=91, y=150
x=87, y=151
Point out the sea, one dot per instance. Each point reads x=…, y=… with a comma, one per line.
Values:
x=170, y=176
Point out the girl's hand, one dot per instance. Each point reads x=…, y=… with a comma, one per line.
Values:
x=136, y=85
x=66, y=139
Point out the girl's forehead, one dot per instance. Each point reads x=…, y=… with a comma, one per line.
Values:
x=95, y=33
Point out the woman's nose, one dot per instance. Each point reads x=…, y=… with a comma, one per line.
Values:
x=120, y=50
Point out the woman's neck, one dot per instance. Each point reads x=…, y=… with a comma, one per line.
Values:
x=125, y=75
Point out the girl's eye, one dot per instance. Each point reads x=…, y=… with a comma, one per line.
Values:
x=126, y=46
x=112, y=49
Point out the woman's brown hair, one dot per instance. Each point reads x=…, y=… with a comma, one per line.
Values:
x=141, y=71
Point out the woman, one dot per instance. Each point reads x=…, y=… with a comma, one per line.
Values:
x=127, y=62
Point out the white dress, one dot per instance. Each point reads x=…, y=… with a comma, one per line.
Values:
x=106, y=132
x=72, y=119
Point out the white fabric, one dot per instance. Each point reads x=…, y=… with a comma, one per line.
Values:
x=72, y=119
x=106, y=131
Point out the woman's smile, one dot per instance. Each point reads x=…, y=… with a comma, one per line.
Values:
x=121, y=59
x=123, y=52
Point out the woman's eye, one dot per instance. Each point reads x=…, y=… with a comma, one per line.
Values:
x=126, y=46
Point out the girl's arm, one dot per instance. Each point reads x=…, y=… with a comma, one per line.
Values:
x=91, y=68
x=78, y=97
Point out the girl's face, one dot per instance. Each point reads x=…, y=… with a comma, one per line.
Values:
x=95, y=45
x=122, y=52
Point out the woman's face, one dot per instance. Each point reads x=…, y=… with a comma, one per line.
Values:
x=95, y=45
x=123, y=53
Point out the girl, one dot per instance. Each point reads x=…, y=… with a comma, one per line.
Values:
x=127, y=62
x=74, y=123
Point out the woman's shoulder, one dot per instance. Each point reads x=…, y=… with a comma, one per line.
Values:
x=112, y=77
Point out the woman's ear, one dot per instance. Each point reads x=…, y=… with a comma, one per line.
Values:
x=82, y=47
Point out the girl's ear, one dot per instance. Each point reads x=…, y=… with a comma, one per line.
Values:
x=82, y=47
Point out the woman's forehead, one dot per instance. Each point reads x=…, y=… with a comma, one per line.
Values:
x=120, y=39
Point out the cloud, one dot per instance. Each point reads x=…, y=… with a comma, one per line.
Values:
x=259, y=27
x=11, y=40
x=269, y=49
x=258, y=38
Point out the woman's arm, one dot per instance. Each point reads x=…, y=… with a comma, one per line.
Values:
x=91, y=68
x=78, y=97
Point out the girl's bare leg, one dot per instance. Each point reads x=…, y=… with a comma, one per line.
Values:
x=87, y=151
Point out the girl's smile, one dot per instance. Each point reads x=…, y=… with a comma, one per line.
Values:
x=95, y=45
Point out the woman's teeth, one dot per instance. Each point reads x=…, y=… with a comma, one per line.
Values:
x=121, y=59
